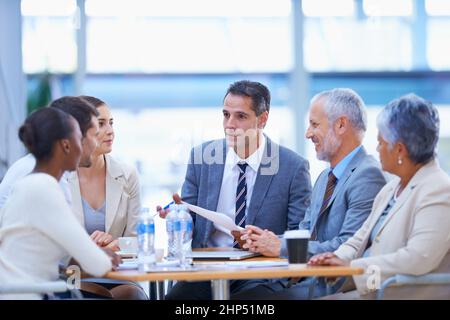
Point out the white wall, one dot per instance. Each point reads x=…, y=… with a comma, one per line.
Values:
x=12, y=82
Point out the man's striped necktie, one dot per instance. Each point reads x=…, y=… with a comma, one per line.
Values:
x=241, y=199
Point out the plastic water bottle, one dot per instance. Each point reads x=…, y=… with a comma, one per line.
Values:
x=173, y=233
x=146, y=241
x=185, y=235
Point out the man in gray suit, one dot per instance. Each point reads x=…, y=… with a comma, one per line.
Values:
x=247, y=176
x=342, y=196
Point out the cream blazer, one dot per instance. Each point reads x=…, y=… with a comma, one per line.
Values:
x=414, y=239
x=123, y=201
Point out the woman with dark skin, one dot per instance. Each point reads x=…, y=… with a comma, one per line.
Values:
x=38, y=228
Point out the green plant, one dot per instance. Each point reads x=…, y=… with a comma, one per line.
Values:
x=39, y=93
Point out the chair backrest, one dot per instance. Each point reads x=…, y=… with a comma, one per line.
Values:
x=402, y=279
x=39, y=288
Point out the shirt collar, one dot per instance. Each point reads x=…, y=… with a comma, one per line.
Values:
x=253, y=161
x=339, y=169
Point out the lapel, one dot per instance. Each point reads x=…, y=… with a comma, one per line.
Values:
x=406, y=195
x=262, y=182
x=407, y=192
x=351, y=167
x=77, y=205
x=377, y=214
x=215, y=177
x=114, y=190
x=317, y=199
x=400, y=201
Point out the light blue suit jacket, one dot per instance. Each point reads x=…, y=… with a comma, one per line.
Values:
x=280, y=196
x=349, y=206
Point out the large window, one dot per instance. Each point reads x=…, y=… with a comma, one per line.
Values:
x=49, y=36
x=337, y=44
x=188, y=45
x=218, y=36
x=195, y=36
x=438, y=29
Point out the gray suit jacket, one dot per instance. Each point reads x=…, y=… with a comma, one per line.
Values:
x=349, y=206
x=280, y=196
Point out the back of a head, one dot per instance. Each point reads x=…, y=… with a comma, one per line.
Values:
x=344, y=102
x=42, y=129
x=78, y=108
x=258, y=92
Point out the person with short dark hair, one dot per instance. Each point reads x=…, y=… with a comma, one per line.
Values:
x=257, y=92
x=37, y=227
x=247, y=176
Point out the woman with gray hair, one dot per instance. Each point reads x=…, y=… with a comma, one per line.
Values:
x=407, y=231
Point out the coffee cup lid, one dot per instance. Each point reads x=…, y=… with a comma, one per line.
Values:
x=295, y=234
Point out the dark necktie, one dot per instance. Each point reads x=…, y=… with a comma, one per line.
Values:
x=331, y=184
x=241, y=199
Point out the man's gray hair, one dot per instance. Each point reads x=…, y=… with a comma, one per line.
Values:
x=344, y=102
x=414, y=122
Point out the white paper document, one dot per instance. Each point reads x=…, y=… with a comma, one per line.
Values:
x=244, y=264
x=132, y=264
x=216, y=217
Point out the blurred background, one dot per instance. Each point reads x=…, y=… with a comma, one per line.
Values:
x=163, y=66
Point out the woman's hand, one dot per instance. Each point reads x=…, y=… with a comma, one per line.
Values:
x=113, y=245
x=101, y=238
x=115, y=259
x=327, y=259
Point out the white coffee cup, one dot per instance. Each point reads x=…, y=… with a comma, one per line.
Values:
x=128, y=244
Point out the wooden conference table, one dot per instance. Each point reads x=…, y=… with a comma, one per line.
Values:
x=221, y=273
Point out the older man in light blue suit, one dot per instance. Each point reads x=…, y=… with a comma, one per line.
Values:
x=247, y=176
x=342, y=196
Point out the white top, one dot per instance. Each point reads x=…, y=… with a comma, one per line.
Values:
x=37, y=229
x=20, y=169
x=227, y=197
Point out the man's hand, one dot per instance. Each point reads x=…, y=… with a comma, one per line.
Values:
x=261, y=241
x=101, y=238
x=163, y=212
x=237, y=236
x=115, y=259
x=327, y=259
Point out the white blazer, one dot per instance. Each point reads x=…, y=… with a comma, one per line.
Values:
x=123, y=201
x=414, y=239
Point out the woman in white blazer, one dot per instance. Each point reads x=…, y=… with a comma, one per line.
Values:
x=106, y=197
x=408, y=230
